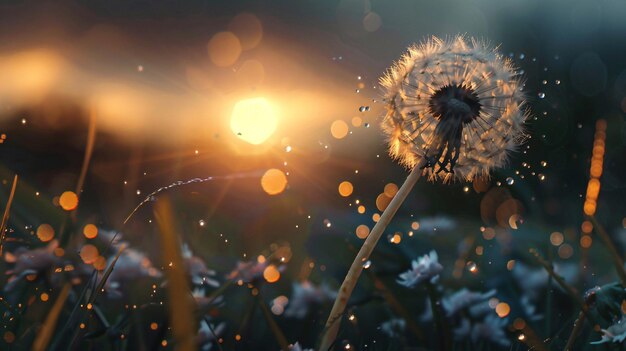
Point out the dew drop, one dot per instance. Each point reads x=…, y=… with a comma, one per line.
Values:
x=541, y=176
x=202, y=223
x=367, y=264
x=472, y=267
x=541, y=95
x=510, y=181
x=544, y=82
x=557, y=82
x=544, y=163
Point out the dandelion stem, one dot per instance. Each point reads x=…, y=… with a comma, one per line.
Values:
x=349, y=282
x=617, y=260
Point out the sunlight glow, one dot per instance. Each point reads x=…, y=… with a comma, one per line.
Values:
x=253, y=120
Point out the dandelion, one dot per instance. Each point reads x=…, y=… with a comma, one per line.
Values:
x=457, y=105
x=453, y=106
x=426, y=268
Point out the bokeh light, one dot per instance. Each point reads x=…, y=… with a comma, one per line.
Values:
x=362, y=231
x=345, y=188
x=339, y=129
x=248, y=28
x=274, y=181
x=271, y=274
x=68, y=201
x=45, y=232
x=90, y=231
x=224, y=49
x=89, y=253
x=253, y=120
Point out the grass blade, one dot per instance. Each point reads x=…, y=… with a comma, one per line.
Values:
x=106, y=275
x=46, y=331
x=278, y=334
x=181, y=305
x=5, y=217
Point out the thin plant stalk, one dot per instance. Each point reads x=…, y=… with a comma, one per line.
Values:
x=444, y=336
x=578, y=326
x=47, y=330
x=7, y=210
x=349, y=282
x=396, y=305
x=568, y=288
x=91, y=138
x=181, y=305
x=617, y=259
x=278, y=334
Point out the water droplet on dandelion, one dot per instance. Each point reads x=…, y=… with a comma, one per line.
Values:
x=510, y=181
x=541, y=95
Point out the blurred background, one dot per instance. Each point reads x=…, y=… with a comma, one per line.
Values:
x=169, y=86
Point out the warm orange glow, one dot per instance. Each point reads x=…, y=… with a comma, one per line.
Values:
x=396, y=238
x=503, y=309
x=224, y=49
x=89, y=253
x=68, y=201
x=90, y=231
x=100, y=263
x=556, y=238
x=345, y=188
x=271, y=274
x=362, y=231
x=390, y=190
x=253, y=120
x=361, y=209
x=586, y=227
x=274, y=181
x=45, y=232
x=248, y=28
x=595, y=172
x=382, y=201
x=44, y=297
x=339, y=129
x=585, y=241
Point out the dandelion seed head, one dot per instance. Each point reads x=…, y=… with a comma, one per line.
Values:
x=457, y=104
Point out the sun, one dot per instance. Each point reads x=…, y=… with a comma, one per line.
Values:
x=253, y=120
